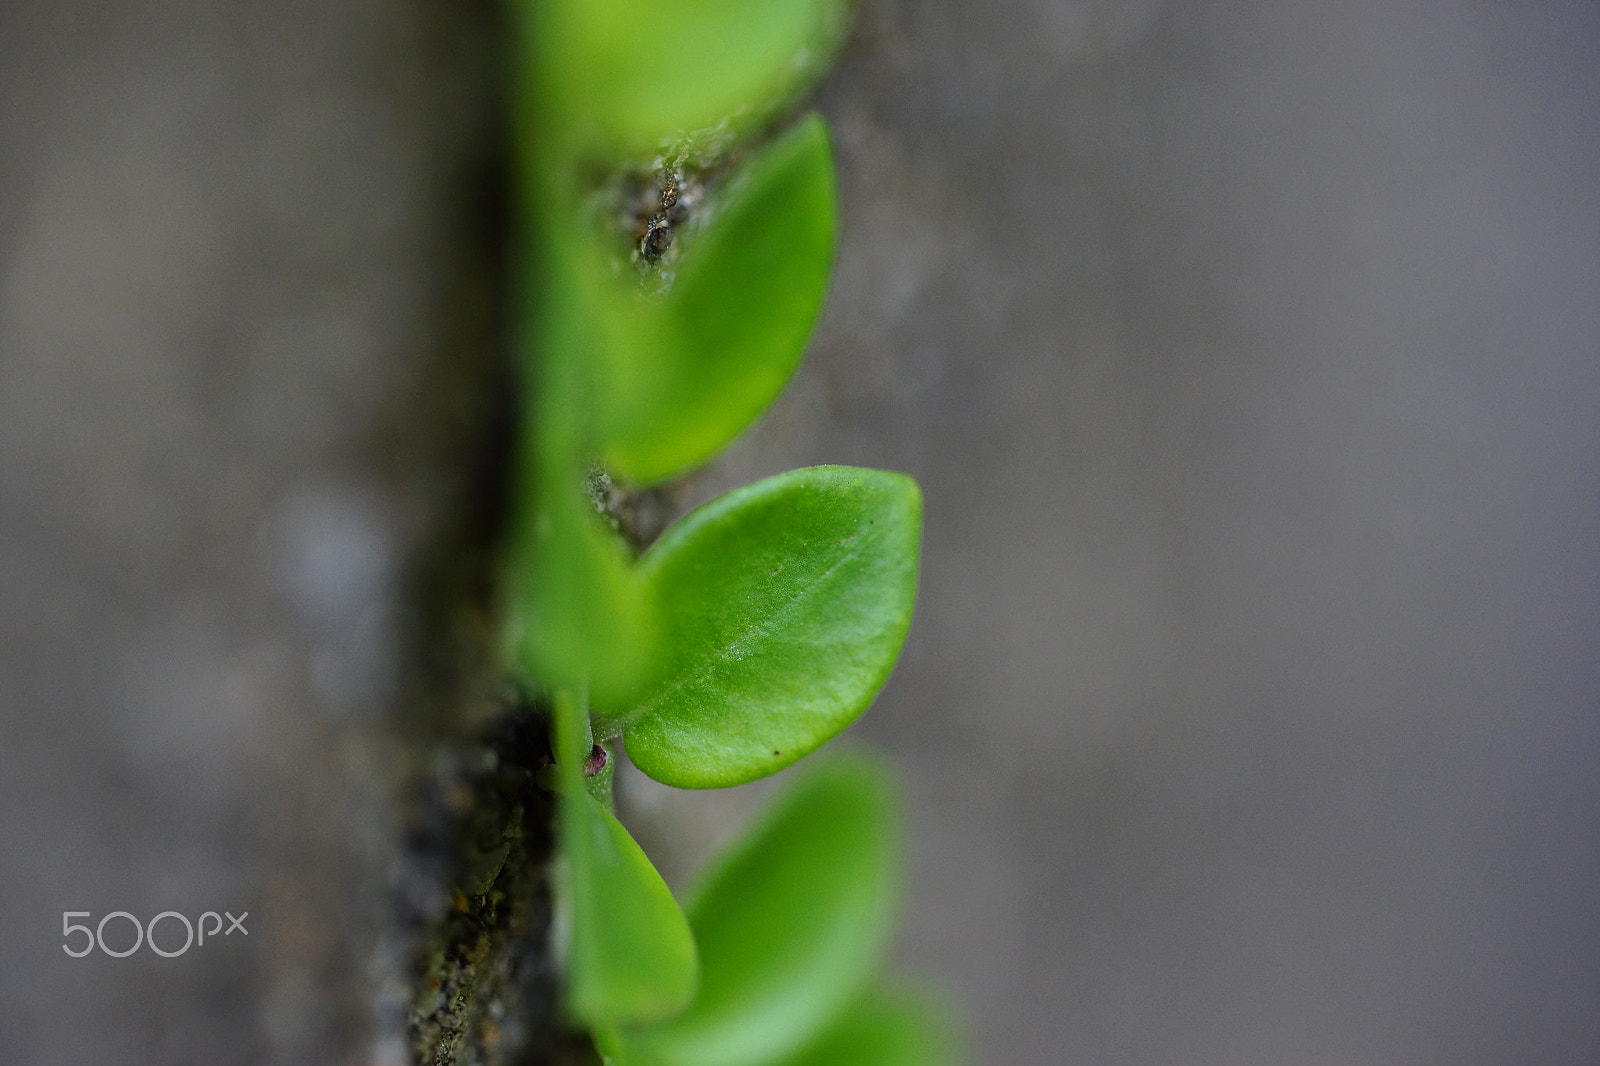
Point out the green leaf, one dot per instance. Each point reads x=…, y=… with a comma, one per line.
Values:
x=699, y=364
x=624, y=75
x=781, y=608
x=883, y=1029
x=579, y=615
x=632, y=957
x=791, y=924
x=576, y=613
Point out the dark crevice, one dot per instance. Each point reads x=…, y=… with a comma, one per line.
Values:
x=488, y=987
x=472, y=898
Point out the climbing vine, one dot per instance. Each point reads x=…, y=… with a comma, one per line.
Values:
x=675, y=233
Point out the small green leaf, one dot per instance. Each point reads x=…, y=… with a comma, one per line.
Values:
x=781, y=608
x=624, y=75
x=580, y=616
x=700, y=363
x=791, y=924
x=632, y=957
x=883, y=1029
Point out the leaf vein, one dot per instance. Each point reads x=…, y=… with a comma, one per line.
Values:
x=744, y=639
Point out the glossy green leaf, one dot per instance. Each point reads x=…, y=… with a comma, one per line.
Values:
x=883, y=1029
x=632, y=958
x=624, y=75
x=791, y=923
x=782, y=607
x=694, y=367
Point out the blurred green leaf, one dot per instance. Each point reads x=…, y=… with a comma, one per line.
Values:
x=623, y=75
x=883, y=1029
x=700, y=363
x=781, y=607
x=791, y=923
x=632, y=957
x=577, y=615
x=580, y=615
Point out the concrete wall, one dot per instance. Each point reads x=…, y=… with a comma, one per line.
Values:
x=235, y=246
x=1249, y=357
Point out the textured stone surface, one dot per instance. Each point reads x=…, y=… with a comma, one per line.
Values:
x=236, y=248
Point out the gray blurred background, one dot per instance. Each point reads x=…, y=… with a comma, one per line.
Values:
x=1248, y=355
